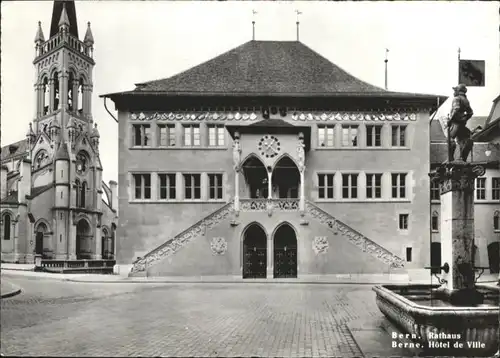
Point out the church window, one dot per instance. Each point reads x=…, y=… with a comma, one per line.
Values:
x=435, y=222
x=192, y=135
x=216, y=135
x=325, y=186
x=215, y=186
x=141, y=135
x=496, y=221
x=83, y=194
x=46, y=96
x=80, y=96
x=481, y=188
x=398, y=181
x=374, y=186
x=166, y=135
x=78, y=195
x=142, y=185
x=41, y=159
x=403, y=221
x=71, y=80
x=6, y=226
x=82, y=162
x=398, y=135
x=326, y=136
x=167, y=186
x=350, y=135
x=192, y=186
x=495, y=188
x=55, y=86
x=349, y=186
x=435, y=190
x=373, y=135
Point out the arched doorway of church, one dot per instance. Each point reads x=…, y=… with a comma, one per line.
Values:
x=254, y=252
x=285, y=252
x=40, y=232
x=285, y=179
x=494, y=257
x=105, y=244
x=83, y=236
x=255, y=174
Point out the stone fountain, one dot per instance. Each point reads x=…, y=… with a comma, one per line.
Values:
x=458, y=316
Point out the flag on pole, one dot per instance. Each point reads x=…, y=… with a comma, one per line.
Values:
x=471, y=72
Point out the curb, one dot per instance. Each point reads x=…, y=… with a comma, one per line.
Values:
x=15, y=292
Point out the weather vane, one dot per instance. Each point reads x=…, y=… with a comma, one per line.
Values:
x=253, y=24
x=298, y=13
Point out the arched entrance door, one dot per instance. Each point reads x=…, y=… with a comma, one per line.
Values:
x=494, y=257
x=285, y=252
x=82, y=235
x=254, y=252
x=40, y=233
x=105, y=244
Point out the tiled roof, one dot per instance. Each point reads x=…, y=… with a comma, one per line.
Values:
x=271, y=122
x=11, y=198
x=265, y=68
x=439, y=153
x=39, y=189
x=22, y=148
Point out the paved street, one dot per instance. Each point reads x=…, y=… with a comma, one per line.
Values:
x=86, y=319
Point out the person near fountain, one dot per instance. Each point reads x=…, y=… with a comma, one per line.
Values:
x=459, y=134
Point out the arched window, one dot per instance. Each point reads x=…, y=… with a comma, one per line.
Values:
x=435, y=221
x=46, y=96
x=82, y=162
x=496, y=221
x=41, y=159
x=56, y=90
x=83, y=194
x=6, y=226
x=71, y=80
x=80, y=95
x=77, y=185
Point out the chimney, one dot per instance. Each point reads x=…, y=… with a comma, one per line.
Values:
x=24, y=185
x=3, y=183
x=114, y=195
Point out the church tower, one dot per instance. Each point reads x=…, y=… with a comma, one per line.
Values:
x=64, y=139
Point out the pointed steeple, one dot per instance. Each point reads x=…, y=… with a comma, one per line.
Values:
x=39, y=34
x=89, y=38
x=57, y=15
x=64, y=20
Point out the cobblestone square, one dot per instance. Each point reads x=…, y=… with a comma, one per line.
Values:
x=87, y=319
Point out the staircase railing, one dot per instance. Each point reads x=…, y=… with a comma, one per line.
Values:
x=354, y=236
x=173, y=245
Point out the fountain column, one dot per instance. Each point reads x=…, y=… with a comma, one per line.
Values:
x=456, y=184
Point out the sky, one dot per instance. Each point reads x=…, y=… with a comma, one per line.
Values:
x=137, y=41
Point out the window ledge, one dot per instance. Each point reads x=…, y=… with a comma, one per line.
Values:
x=177, y=201
x=363, y=148
x=361, y=201
x=434, y=201
x=435, y=231
x=486, y=201
x=178, y=148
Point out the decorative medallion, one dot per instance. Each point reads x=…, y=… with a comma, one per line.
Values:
x=269, y=146
x=320, y=245
x=218, y=245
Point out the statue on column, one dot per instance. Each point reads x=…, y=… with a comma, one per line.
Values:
x=236, y=154
x=301, y=156
x=458, y=132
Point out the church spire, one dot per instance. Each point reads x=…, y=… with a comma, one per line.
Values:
x=64, y=11
x=39, y=38
x=89, y=38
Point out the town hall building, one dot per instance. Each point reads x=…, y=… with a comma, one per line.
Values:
x=269, y=161
x=51, y=182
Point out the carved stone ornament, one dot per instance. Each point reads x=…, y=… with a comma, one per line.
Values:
x=264, y=204
x=354, y=237
x=320, y=245
x=173, y=245
x=457, y=176
x=218, y=245
x=252, y=116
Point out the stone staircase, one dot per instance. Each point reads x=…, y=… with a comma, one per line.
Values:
x=354, y=237
x=173, y=245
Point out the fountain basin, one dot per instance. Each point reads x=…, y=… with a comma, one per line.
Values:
x=438, y=327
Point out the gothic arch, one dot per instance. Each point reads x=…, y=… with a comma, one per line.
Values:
x=8, y=212
x=7, y=219
x=283, y=223
x=249, y=257
x=282, y=156
x=250, y=225
x=250, y=156
x=42, y=221
x=83, y=217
